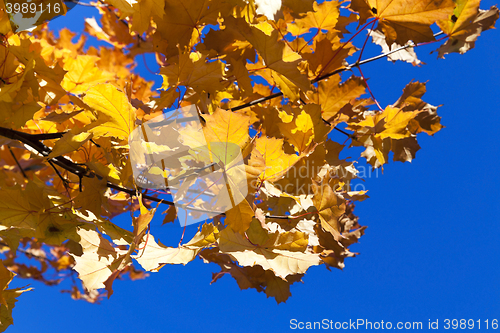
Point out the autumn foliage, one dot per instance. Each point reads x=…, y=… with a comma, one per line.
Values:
x=263, y=78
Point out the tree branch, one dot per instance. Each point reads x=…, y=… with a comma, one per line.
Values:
x=32, y=141
x=63, y=162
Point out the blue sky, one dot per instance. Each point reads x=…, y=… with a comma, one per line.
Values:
x=431, y=250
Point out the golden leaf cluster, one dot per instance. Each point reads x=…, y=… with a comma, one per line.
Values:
x=67, y=111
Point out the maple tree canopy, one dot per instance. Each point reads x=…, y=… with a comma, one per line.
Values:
x=84, y=138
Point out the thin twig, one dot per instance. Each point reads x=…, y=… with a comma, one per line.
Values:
x=337, y=71
x=360, y=72
x=64, y=180
x=345, y=44
x=257, y=101
x=97, y=145
x=345, y=133
x=17, y=162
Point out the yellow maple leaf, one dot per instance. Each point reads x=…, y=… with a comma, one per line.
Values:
x=227, y=126
x=329, y=55
x=15, y=210
x=324, y=17
x=155, y=255
x=427, y=119
x=305, y=126
x=275, y=54
x=69, y=142
x=392, y=123
x=112, y=105
x=174, y=29
x=276, y=161
x=83, y=74
x=290, y=241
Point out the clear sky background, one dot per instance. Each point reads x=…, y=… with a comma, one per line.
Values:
x=431, y=250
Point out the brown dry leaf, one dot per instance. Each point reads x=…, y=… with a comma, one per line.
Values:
x=170, y=215
x=333, y=252
x=5, y=278
x=10, y=297
x=251, y=276
x=142, y=222
x=427, y=119
x=405, y=149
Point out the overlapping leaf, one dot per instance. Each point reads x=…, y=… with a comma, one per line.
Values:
x=465, y=26
x=402, y=21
